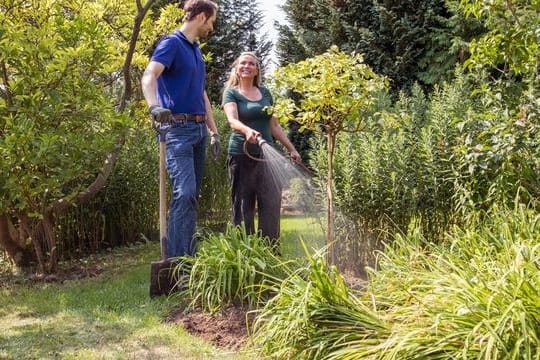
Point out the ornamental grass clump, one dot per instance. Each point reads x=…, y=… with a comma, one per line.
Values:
x=232, y=268
x=474, y=296
x=315, y=316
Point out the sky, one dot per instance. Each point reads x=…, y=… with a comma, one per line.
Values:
x=271, y=12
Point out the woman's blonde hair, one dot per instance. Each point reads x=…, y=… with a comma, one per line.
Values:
x=234, y=79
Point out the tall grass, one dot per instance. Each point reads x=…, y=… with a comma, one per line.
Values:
x=232, y=268
x=313, y=315
x=474, y=296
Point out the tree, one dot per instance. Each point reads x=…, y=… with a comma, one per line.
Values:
x=407, y=41
x=337, y=90
x=511, y=43
x=307, y=33
x=67, y=100
x=237, y=29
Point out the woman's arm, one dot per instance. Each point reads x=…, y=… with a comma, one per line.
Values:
x=279, y=134
x=231, y=111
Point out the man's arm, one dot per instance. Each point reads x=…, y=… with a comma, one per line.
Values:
x=149, y=82
x=210, y=123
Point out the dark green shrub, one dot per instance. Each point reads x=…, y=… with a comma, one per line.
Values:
x=126, y=210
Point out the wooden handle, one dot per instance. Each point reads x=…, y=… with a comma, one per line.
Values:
x=162, y=201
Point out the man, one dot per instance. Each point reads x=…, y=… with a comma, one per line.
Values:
x=173, y=85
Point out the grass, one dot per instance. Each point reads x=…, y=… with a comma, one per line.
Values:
x=474, y=296
x=294, y=228
x=111, y=316
x=107, y=317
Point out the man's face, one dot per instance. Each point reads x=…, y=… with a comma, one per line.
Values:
x=207, y=25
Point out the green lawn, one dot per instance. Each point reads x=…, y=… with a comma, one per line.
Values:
x=295, y=229
x=111, y=316
x=107, y=317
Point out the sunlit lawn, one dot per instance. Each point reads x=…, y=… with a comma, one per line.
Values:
x=295, y=229
x=108, y=317
x=112, y=316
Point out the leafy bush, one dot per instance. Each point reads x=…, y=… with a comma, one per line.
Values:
x=127, y=208
x=433, y=160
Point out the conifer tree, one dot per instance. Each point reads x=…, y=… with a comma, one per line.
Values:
x=237, y=29
x=408, y=41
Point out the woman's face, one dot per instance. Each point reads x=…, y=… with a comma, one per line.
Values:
x=247, y=67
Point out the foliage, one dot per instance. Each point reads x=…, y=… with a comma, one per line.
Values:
x=126, y=210
x=215, y=201
x=308, y=31
x=237, y=29
x=315, y=314
x=336, y=92
x=66, y=83
x=456, y=300
x=231, y=267
x=511, y=44
x=432, y=159
x=473, y=289
x=407, y=41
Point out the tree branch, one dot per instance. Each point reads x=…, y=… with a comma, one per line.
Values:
x=101, y=180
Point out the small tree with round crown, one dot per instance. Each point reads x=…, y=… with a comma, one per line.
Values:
x=336, y=91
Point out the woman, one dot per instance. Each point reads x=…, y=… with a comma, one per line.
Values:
x=244, y=103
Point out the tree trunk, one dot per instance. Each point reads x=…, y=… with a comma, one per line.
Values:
x=331, y=254
x=11, y=242
x=49, y=239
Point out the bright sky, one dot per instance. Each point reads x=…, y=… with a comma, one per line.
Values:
x=271, y=12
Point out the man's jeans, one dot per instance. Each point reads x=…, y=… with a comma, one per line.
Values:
x=186, y=151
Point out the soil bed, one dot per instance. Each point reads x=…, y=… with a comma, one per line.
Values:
x=225, y=329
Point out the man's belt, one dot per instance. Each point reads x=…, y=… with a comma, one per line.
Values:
x=189, y=117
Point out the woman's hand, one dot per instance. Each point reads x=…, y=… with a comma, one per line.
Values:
x=295, y=156
x=252, y=135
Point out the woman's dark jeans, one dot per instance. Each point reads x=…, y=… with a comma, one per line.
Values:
x=252, y=185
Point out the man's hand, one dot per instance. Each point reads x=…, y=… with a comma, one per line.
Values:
x=159, y=114
x=215, y=146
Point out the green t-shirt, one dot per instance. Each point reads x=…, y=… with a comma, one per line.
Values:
x=253, y=114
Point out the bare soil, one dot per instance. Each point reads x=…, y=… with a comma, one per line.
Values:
x=227, y=328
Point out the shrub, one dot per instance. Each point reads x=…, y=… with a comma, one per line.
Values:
x=126, y=210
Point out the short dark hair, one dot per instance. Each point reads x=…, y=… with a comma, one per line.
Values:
x=193, y=8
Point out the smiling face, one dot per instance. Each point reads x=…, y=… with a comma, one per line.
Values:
x=248, y=67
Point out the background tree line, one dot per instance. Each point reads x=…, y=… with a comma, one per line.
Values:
x=71, y=110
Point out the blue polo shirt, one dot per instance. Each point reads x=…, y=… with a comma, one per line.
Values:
x=180, y=87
